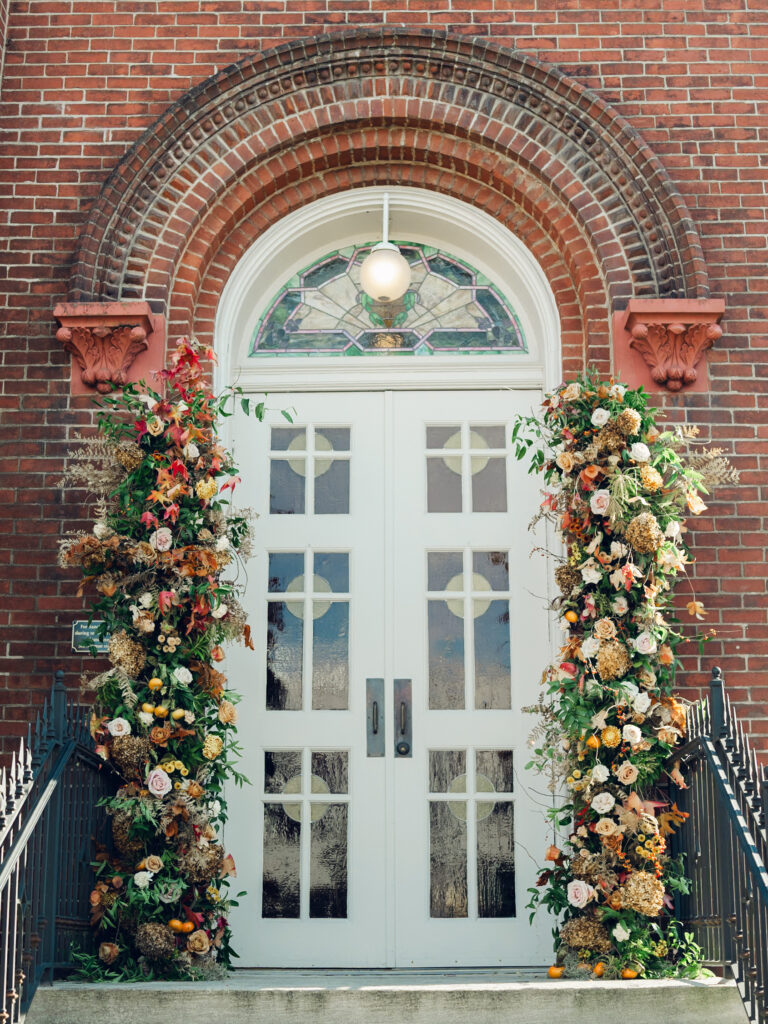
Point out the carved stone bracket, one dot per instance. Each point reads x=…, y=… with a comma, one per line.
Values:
x=105, y=339
x=671, y=337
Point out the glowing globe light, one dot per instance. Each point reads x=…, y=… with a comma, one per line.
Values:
x=385, y=274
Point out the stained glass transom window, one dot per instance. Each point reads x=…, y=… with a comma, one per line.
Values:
x=450, y=308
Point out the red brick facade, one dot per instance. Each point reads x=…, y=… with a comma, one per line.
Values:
x=650, y=185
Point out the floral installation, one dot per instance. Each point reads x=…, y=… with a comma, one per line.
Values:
x=163, y=718
x=618, y=492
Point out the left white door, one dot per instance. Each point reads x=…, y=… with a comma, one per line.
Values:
x=309, y=832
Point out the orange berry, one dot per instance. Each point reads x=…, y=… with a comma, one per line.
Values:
x=571, y=616
x=155, y=683
x=555, y=971
x=175, y=924
x=187, y=927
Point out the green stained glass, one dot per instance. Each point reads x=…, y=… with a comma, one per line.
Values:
x=450, y=308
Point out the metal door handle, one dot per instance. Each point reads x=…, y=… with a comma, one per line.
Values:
x=403, y=720
x=374, y=731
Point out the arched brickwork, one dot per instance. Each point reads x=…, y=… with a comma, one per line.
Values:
x=465, y=111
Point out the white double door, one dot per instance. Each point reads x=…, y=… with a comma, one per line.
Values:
x=399, y=627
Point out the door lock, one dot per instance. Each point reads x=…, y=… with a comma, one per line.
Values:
x=403, y=716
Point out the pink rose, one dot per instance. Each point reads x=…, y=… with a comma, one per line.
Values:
x=600, y=501
x=626, y=773
x=644, y=643
x=158, y=783
x=579, y=893
x=162, y=539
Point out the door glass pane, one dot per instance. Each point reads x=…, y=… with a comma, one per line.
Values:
x=444, y=767
x=281, y=868
x=288, y=439
x=337, y=437
x=497, y=767
x=492, y=662
x=334, y=569
x=279, y=767
x=447, y=862
x=330, y=656
x=442, y=568
x=488, y=437
x=285, y=654
x=443, y=486
x=284, y=567
x=496, y=861
x=328, y=861
x=286, y=486
x=446, y=656
x=332, y=487
x=493, y=566
x=437, y=437
x=489, y=484
x=332, y=767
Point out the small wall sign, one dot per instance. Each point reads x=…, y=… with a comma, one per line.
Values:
x=85, y=639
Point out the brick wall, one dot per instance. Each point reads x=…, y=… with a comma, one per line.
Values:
x=82, y=80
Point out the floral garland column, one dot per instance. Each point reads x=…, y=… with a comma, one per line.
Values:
x=619, y=489
x=163, y=717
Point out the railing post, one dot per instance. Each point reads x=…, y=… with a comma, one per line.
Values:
x=52, y=834
x=716, y=704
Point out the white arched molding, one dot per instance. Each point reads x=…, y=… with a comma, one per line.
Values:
x=352, y=218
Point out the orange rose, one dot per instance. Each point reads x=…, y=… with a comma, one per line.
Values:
x=666, y=655
x=108, y=952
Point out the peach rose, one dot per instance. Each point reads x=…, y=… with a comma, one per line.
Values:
x=198, y=942
x=108, y=952
x=153, y=863
x=605, y=629
x=565, y=461
x=227, y=713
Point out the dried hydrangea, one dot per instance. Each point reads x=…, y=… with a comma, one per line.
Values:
x=567, y=578
x=586, y=933
x=644, y=893
x=126, y=653
x=155, y=941
x=610, y=439
x=644, y=533
x=629, y=421
x=613, y=660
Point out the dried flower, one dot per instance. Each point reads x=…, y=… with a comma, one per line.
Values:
x=206, y=489
x=613, y=660
x=153, y=863
x=108, y=952
x=629, y=421
x=155, y=941
x=585, y=932
x=644, y=893
x=126, y=653
x=610, y=736
x=212, y=746
x=644, y=533
x=651, y=479
x=198, y=942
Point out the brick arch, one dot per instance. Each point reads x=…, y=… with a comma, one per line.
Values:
x=505, y=104
x=271, y=190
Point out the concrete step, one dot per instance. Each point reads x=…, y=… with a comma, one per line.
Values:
x=389, y=997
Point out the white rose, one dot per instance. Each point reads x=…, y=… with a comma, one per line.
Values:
x=142, y=879
x=626, y=773
x=620, y=605
x=620, y=933
x=579, y=893
x=600, y=417
x=639, y=452
x=191, y=451
x=600, y=501
x=590, y=573
x=629, y=691
x=600, y=773
x=617, y=391
x=222, y=544
x=146, y=718
x=590, y=647
x=644, y=643
x=162, y=539
x=182, y=674
x=219, y=611
x=602, y=803
x=146, y=599
x=101, y=531
x=119, y=727
x=631, y=734
x=641, y=703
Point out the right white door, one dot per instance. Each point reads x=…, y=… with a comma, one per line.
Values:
x=470, y=639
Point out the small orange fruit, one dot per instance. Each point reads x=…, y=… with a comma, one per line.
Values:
x=555, y=971
x=571, y=616
x=628, y=973
x=598, y=970
x=175, y=924
x=177, y=714
x=187, y=927
x=161, y=712
x=593, y=742
x=155, y=683
x=147, y=708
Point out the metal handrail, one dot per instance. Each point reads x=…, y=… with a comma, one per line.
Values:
x=725, y=846
x=49, y=820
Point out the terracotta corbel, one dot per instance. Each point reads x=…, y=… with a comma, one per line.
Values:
x=107, y=341
x=660, y=343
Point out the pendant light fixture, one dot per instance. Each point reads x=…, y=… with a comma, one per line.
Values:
x=385, y=274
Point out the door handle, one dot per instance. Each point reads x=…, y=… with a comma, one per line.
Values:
x=403, y=718
x=374, y=731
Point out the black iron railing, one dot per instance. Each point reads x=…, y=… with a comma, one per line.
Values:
x=724, y=843
x=49, y=822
